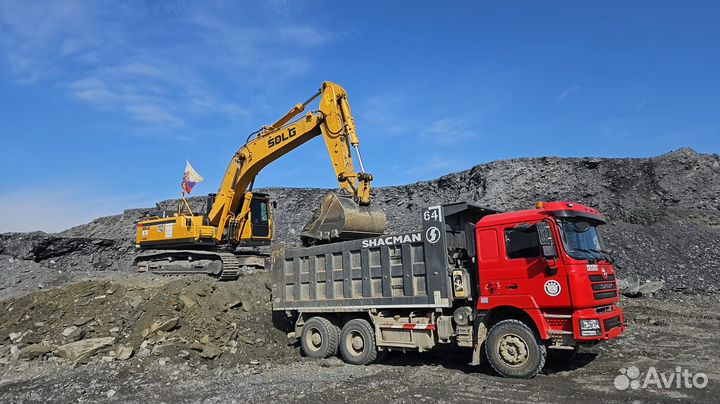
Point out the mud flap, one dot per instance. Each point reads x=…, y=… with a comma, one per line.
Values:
x=479, y=336
x=341, y=218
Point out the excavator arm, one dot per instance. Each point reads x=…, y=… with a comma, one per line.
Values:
x=347, y=213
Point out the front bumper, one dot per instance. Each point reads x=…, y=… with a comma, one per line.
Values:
x=612, y=324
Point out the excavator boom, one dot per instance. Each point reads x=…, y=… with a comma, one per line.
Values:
x=334, y=121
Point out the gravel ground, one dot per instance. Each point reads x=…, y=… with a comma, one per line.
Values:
x=663, y=334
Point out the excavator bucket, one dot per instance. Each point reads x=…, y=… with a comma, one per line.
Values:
x=341, y=218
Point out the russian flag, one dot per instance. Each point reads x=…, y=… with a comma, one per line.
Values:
x=191, y=178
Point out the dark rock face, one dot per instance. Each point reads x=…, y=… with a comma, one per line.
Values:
x=663, y=213
x=68, y=253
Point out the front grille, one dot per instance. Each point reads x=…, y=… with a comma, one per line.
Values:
x=605, y=295
x=611, y=323
x=603, y=286
x=599, y=278
x=604, y=309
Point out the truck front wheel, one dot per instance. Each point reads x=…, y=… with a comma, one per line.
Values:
x=357, y=342
x=514, y=350
x=319, y=338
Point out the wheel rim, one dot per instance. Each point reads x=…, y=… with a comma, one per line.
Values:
x=355, y=343
x=513, y=350
x=314, y=339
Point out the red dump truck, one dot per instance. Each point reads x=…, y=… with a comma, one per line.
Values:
x=511, y=287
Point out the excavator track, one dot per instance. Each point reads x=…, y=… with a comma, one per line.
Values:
x=225, y=266
x=230, y=267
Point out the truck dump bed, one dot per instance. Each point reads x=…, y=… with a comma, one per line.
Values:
x=408, y=270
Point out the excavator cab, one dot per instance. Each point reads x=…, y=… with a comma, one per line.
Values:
x=260, y=216
x=253, y=225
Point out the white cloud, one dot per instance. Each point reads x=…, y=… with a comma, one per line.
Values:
x=387, y=115
x=381, y=113
x=304, y=35
x=153, y=113
x=434, y=166
x=151, y=93
x=449, y=131
x=567, y=92
x=94, y=52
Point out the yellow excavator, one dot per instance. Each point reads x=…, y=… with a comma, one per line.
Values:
x=227, y=238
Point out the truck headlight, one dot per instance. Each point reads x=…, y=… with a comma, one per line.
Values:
x=591, y=324
x=590, y=328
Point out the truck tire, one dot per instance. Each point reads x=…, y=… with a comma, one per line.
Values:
x=319, y=338
x=514, y=350
x=357, y=343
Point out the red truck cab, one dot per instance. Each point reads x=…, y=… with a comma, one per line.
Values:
x=549, y=265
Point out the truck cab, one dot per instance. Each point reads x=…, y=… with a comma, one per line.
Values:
x=551, y=263
x=547, y=267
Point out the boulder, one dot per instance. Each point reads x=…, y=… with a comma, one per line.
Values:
x=188, y=301
x=207, y=351
x=81, y=350
x=161, y=325
x=82, y=321
x=211, y=351
x=33, y=351
x=124, y=353
x=650, y=287
x=73, y=333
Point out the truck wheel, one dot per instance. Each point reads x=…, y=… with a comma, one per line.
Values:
x=357, y=343
x=514, y=350
x=319, y=338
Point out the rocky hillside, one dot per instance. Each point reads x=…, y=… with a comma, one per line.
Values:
x=664, y=213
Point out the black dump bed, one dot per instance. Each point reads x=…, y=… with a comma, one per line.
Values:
x=402, y=270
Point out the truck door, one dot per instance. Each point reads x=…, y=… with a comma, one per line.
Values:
x=525, y=271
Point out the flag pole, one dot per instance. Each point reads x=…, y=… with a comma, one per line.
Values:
x=187, y=205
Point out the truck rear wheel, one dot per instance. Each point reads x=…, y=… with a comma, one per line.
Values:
x=514, y=350
x=319, y=338
x=357, y=343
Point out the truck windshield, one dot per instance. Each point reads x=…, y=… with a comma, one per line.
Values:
x=582, y=241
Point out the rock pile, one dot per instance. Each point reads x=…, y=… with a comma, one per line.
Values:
x=138, y=319
x=663, y=212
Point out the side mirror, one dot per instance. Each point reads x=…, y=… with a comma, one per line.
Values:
x=274, y=204
x=545, y=237
x=549, y=251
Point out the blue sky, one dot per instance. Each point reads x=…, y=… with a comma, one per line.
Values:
x=102, y=102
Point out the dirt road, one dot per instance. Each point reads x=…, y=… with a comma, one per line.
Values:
x=256, y=362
